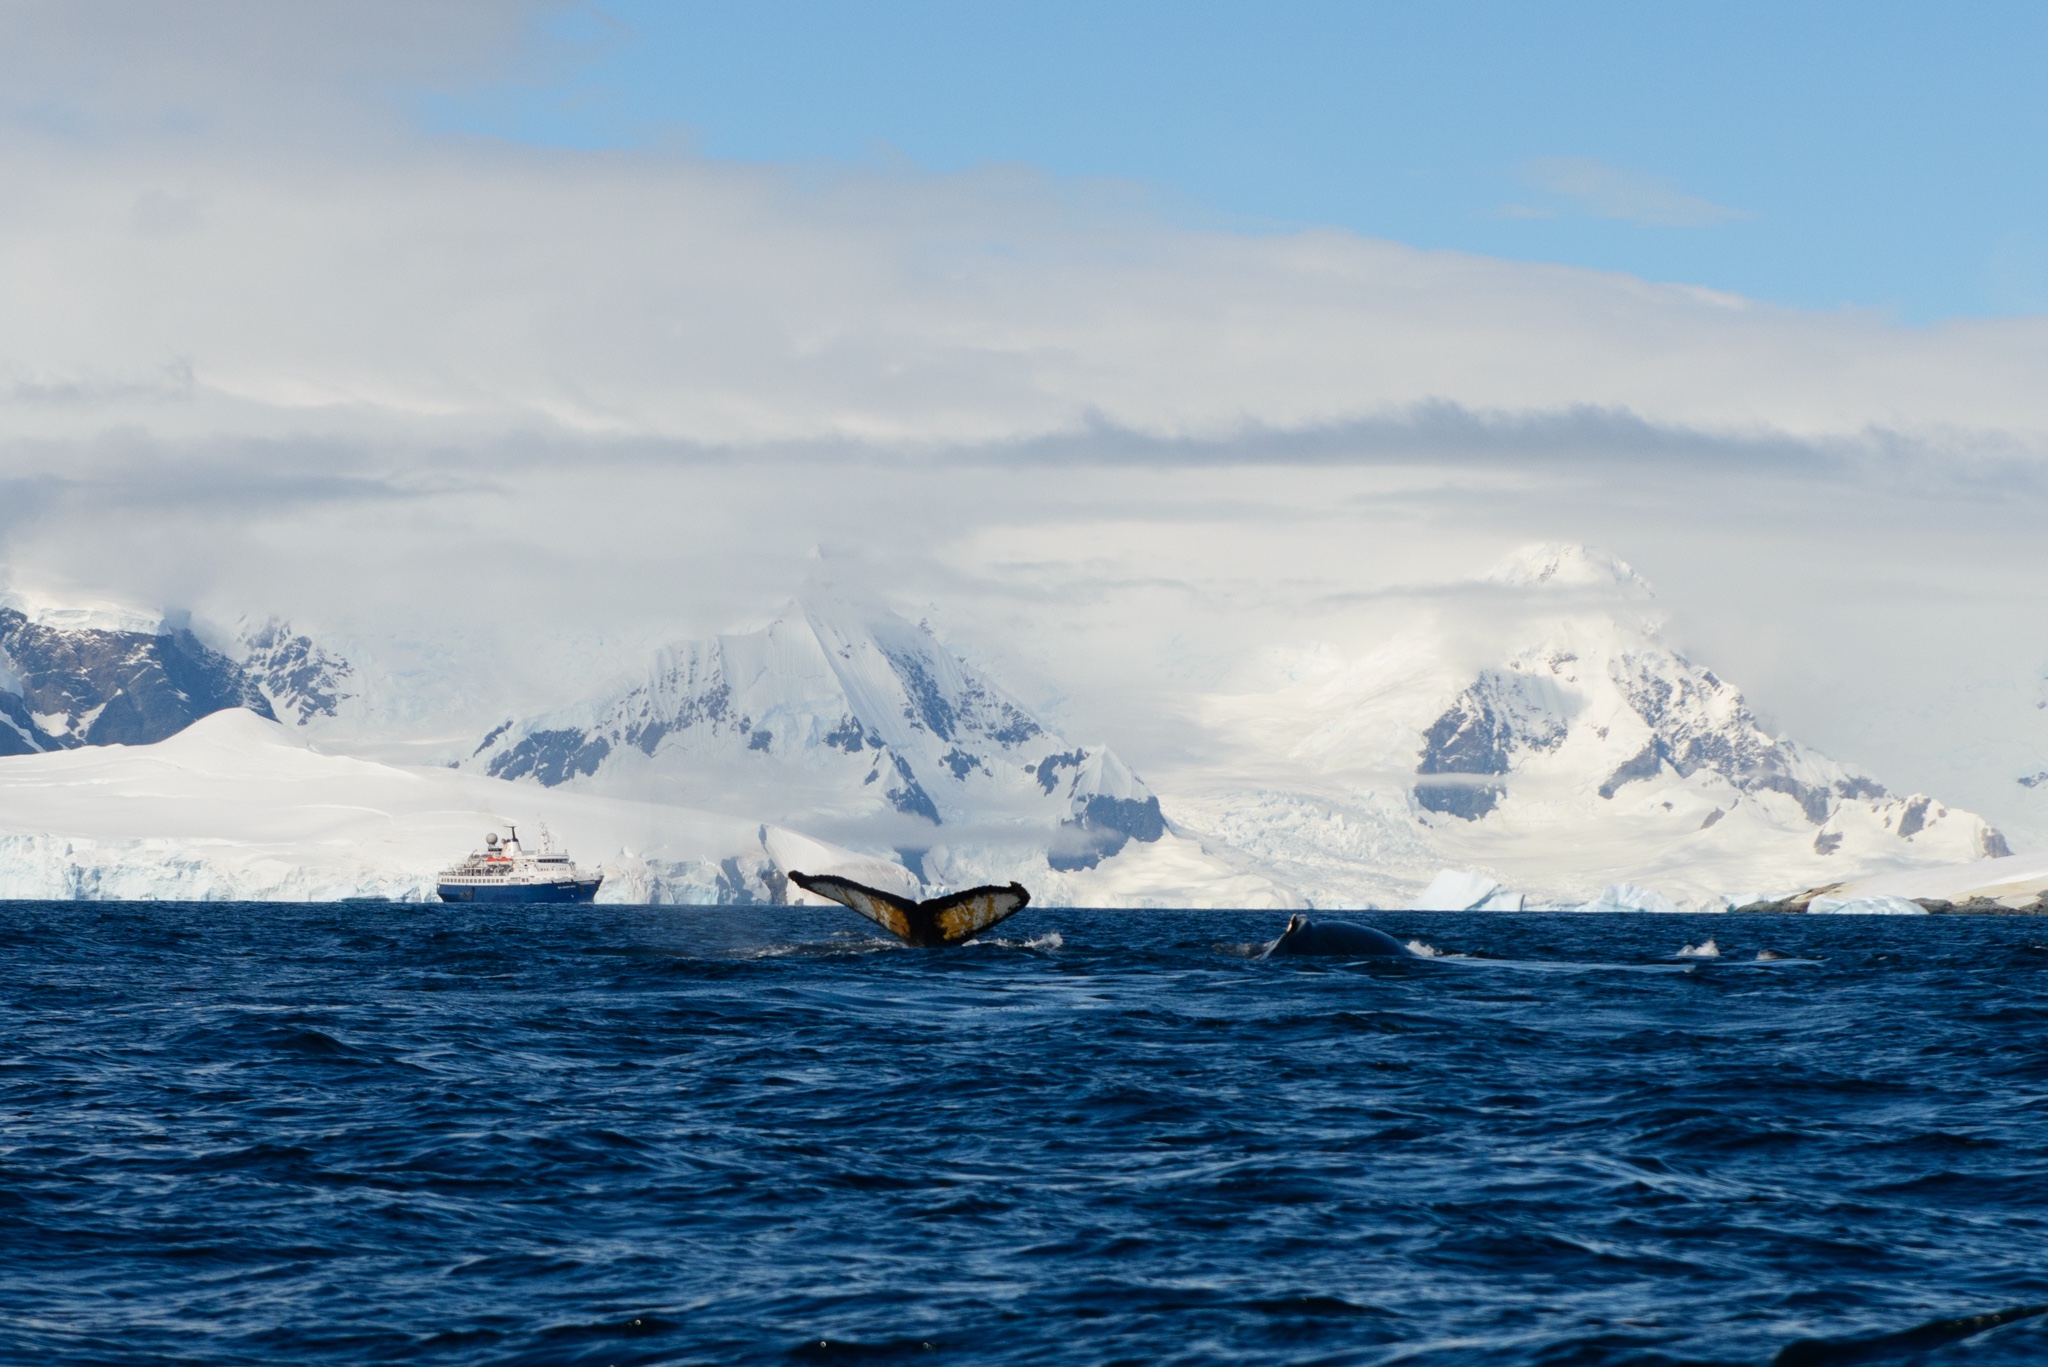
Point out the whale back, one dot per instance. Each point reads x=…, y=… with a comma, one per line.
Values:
x=1334, y=939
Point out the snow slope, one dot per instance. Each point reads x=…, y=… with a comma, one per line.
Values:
x=847, y=719
x=236, y=807
x=1587, y=756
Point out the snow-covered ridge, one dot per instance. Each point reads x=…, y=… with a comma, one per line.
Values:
x=83, y=614
x=302, y=679
x=1564, y=565
x=849, y=715
x=1590, y=764
x=1581, y=763
x=65, y=684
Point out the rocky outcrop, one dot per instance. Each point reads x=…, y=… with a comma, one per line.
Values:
x=67, y=687
x=301, y=679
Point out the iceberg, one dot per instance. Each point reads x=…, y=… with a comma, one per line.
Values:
x=1629, y=897
x=1460, y=890
x=1864, y=906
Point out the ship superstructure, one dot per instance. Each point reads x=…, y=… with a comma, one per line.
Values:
x=504, y=871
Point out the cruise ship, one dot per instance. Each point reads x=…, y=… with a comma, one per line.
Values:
x=502, y=871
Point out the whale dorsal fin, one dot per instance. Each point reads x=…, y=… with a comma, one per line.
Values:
x=944, y=920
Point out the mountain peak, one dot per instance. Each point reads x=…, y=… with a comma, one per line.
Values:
x=76, y=613
x=1563, y=564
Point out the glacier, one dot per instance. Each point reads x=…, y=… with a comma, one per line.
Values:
x=1535, y=743
x=236, y=807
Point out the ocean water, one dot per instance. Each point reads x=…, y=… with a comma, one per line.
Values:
x=611, y=1135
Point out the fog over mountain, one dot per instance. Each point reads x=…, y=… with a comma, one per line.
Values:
x=1584, y=762
x=422, y=434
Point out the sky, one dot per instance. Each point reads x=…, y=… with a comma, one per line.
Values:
x=1137, y=346
x=1838, y=155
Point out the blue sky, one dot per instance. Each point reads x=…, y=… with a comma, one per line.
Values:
x=1878, y=155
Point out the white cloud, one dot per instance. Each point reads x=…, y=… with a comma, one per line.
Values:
x=1603, y=191
x=319, y=365
x=439, y=284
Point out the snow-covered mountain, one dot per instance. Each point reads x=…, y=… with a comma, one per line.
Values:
x=1536, y=742
x=1588, y=754
x=301, y=680
x=846, y=719
x=83, y=676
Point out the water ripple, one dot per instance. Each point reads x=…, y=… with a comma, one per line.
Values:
x=237, y=1134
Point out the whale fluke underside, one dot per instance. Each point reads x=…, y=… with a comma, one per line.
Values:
x=931, y=924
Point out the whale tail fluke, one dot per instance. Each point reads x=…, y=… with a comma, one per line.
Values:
x=932, y=924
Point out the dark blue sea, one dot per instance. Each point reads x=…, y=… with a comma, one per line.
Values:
x=612, y=1135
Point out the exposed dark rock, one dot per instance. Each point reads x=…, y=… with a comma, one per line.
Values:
x=551, y=757
x=1703, y=723
x=115, y=687
x=927, y=704
x=1048, y=769
x=497, y=733
x=1992, y=843
x=909, y=797
x=961, y=763
x=1647, y=763
x=1827, y=842
x=691, y=690
x=1469, y=738
x=1102, y=828
x=301, y=679
x=1016, y=727
x=1713, y=819
x=19, y=734
x=850, y=736
x=1797, y=903
x=1983, y=906
x=1481, y=732
x=1914, y=819
x=1470, y=801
